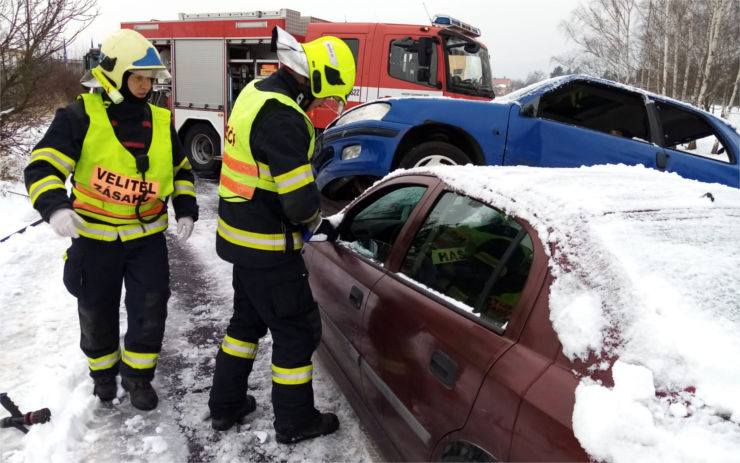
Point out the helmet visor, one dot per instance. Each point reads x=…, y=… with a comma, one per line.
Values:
x=340, y=106
x=89, y=80
x=152, y=73
x=334, y=104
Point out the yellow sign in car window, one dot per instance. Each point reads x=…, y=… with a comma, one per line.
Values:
x=445, y=256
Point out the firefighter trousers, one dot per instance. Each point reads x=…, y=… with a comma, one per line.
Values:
x=94, y=272
x=279, y=299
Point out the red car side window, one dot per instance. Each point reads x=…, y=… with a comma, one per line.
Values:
x=474, y=254
x=374, y=229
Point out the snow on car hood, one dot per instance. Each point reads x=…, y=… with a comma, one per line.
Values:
x=647, y=270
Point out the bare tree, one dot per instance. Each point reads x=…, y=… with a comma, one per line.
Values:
x=604, y=29
x=645, y=51
x=717, y=10
x=731, y=100
x=32, y=34
x=674, y=85
x=684, y=48
x=688, y=60
x=666, y=15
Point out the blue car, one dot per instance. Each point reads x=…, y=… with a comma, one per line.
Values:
x=567, y=121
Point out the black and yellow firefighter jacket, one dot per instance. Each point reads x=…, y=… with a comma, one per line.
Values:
x=267, y=190
x=97, y=144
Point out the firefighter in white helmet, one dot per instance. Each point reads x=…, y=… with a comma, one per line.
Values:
x=267, y=199
x=126, y=163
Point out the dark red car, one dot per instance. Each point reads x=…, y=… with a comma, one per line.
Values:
x=434, y=288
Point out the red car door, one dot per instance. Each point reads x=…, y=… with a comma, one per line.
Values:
x=427, y=361
x=343, y=272
x=433, y=327
x=341, y=282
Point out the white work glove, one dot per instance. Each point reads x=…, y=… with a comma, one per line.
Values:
x=184, y=228
x=65, y=222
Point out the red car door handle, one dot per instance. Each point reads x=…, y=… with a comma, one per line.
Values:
x=444, y=368
x=355, y=297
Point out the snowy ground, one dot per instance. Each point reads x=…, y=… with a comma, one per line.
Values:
x=42, y=365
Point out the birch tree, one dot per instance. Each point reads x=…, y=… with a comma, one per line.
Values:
x=731, y=100
x=645, y=50
x=717, y=8
x=666, y=28
x=687, y=49
x=688, y=60
x=604, y=31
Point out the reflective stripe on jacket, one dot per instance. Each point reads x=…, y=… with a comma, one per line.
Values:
x=240, y=173
x=108, y=185
x=261, y=241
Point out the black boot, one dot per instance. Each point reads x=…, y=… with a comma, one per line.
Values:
x=225, y=422
x=322, y=424
x=105, y=387
x=141, y=392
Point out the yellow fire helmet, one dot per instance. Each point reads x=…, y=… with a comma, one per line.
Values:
x=331, y=68
x=127, y=50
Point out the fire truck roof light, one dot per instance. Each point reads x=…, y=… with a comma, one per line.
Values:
x=454, y=23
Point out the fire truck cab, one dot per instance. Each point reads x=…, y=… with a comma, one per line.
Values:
x=213, y=56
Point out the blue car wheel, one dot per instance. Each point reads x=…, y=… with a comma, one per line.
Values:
x=434, y=153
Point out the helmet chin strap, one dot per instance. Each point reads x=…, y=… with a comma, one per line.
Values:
x=305, y=97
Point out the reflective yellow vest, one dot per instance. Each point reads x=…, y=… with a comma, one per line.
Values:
x=107, y=184
x=240, y=173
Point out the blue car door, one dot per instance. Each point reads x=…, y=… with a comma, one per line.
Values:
x=581, y=123
x=545, y=143
x=696, y=145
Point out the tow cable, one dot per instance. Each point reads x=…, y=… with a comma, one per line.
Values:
x=24, y=228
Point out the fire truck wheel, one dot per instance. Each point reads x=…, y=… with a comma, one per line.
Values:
x=202, y=145
x=434, y=153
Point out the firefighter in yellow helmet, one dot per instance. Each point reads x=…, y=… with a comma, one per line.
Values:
x=125, y=163
x=267, y=199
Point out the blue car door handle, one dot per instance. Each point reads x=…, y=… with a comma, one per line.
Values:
x=355, y=297
x=661, y=160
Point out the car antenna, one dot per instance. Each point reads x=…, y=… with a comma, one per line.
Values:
x=427, y=11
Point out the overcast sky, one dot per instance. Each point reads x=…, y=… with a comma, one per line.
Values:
x=522, y=35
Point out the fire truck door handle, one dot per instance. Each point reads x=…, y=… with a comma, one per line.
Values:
x=355, y=297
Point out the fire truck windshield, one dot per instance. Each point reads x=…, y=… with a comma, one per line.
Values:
x=468, y=67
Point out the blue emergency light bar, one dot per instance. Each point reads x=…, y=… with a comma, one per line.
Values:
x=453, y=23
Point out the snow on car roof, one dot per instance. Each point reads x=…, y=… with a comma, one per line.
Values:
x=555, y=194
x=657, y=258
x=554, y=82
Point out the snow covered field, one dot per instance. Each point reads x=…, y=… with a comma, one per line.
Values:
x=42, y=365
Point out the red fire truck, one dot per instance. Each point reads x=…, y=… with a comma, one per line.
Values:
x=213, y=56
